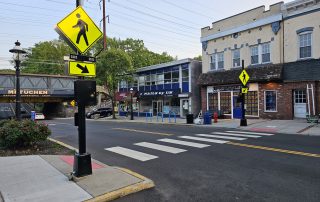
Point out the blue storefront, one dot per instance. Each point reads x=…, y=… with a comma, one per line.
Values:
x=165, y=88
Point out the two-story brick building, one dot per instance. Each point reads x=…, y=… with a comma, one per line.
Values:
x=281, y=50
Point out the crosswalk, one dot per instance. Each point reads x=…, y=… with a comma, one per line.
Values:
x=173, y=145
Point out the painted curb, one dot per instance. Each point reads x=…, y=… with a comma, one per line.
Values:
x=134, y=188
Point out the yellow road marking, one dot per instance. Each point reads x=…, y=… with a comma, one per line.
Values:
x=275, y=149
x=142, y=131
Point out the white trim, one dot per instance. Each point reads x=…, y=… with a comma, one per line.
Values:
x=168, y=64
x=258, y=23
x=180, y=77
x=232, y=52
x=265, y=101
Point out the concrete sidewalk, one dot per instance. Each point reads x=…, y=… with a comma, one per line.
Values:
x=296, y=126
x=45, y=178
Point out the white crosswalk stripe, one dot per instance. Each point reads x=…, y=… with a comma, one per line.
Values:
x=251, y=133
x=235, y=134
x=221, y=137
x=159, y=147
x=185, y=143
x=131, y=153
x=204, y=139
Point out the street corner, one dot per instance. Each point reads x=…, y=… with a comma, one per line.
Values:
x=134, y=183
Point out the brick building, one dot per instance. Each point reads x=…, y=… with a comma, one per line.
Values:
x=281, y=50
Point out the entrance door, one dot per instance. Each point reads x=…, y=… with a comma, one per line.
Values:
x=184, y=107
x=157, y=107
x=300, y=103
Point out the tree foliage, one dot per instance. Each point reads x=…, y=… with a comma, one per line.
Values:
x=136, y=49
x=46, y=58
x=113, y=66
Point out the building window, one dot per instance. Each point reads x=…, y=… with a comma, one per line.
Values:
x=148, y=80
x=141, y=81
x=153, y=79
x=251, y=100
x=225, y=102
x=160, y=78
x=265, y=52
x=185, y=75
x=305, y=45
x=254, y=55
x=236, y=58
x=175, y=77
x=123, y=84
x=217, y=61
x=270, y=101
x=167, y=77
x=300, y=96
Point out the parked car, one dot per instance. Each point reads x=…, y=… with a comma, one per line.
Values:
x=39, y=116
x=99, y=113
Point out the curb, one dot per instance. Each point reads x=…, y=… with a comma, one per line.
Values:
x=134, y=188
x=131, y=189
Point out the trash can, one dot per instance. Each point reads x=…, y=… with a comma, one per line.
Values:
x=207, y=118
x=189, y=118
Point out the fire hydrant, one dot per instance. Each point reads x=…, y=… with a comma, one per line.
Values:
x=215, y=117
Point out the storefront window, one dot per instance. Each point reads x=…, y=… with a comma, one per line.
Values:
x=270, y=101
x=213, y=101
x=225, y=102
x=251, y=100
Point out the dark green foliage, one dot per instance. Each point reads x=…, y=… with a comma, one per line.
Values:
x=14, y=134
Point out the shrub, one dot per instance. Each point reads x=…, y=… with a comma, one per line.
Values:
x=15, y=134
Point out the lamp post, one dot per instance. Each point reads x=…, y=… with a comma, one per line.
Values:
x=17, y=53
x=131, y=92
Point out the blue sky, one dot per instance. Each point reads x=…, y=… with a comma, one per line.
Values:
x=164, y=25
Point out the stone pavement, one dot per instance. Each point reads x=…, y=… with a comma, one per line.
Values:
x=296, y=126
x=45, y=178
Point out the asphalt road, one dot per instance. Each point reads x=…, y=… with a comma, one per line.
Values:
x=253, y=169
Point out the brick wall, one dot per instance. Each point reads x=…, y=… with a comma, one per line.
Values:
x=204, y=98
x=285, y=99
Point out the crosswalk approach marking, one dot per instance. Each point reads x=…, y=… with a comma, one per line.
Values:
x=159, y=147
x=252, y=133
x=132, y=153
x=204, y=139
x=221, y=137
x=185, y=143
x=234, y=134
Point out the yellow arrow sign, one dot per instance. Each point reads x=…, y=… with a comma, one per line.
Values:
x=244, y=77
x=78, y=29
x=244, y=90
x=82, y=69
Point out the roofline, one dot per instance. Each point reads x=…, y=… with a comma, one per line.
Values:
x=39, y=75
x=167, y=64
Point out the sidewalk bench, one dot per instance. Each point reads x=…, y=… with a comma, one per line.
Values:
x=312, y=119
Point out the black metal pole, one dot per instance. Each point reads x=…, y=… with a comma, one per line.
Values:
x=82, y=128
x=131, y=107
x=243, y=121
x=18, y=95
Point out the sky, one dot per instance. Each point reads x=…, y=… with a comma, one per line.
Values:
x=164, y=25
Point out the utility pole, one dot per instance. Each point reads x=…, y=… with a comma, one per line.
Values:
x=104, y=25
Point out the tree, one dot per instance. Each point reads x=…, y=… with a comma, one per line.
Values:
x=199, y=57
x=46, y=58
x=113, y=66
x=7, y=71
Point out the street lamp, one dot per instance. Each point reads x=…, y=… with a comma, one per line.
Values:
x=131, y=92
x=17, y=53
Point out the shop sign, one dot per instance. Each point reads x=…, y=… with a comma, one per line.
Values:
x=225, y=88
x=159, y=93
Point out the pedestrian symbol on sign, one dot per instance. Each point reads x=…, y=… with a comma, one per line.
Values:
x=244, y=77
x=83, y=29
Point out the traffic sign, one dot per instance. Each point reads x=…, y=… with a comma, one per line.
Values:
x=82, y=69
x=244, y=77
x=79, y=30
x=82, y=58
x=244, y=90
x=73, y=103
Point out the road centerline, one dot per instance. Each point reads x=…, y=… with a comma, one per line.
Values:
x=143, y=131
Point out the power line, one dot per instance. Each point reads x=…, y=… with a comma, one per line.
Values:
x=186, y=9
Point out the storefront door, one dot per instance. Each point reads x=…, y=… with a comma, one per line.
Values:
x=300, y=104
x=157, y=107
x=184, y=109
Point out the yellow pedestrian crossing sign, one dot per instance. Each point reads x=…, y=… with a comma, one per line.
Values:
x=82, y=69
x=73, y=103
x=244, y=90
x=79, y=30
x=244, y=77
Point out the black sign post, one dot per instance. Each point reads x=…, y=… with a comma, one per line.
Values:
x=243, y=121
